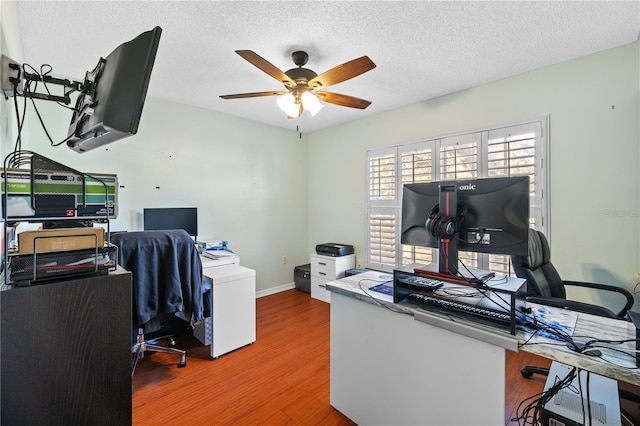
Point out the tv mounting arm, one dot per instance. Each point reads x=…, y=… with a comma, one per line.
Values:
x=13, y=76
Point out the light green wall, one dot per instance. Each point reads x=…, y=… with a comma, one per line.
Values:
x=247, y=179
x=593, y=106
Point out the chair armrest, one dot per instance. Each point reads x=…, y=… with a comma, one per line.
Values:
x=573, y=305
x=623, y=291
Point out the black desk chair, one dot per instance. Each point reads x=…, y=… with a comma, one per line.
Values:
x=167, y=283
x=143, y=345
x=545, y=287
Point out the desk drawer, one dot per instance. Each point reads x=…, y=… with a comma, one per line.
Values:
x=319, y=290
x=331, y=268
x=324, y=268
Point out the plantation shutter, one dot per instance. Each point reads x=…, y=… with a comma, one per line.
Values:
x=382, y=238
x=459, y=159
x=512, y=151
x=417, y=165
x=381, y=209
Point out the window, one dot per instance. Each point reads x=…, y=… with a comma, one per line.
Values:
x=513, y=150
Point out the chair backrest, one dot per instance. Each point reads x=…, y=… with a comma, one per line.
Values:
x=542, y=277
x=166, y=273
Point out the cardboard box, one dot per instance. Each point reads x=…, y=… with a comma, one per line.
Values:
x=51, y=240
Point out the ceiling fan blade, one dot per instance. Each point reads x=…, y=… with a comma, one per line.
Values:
x=343, y=100
x=253, y=94
x=343, y=72
x=266, y=66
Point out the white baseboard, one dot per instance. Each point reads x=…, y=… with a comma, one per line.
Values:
x=274, y=290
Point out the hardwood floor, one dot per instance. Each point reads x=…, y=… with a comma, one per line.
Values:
x=518, y=388
x=283, y=378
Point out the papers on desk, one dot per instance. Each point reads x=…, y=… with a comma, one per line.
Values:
x=219, y=254
x=378, y=285
x=561, y=320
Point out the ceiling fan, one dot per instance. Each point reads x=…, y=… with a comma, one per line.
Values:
x=304, y=85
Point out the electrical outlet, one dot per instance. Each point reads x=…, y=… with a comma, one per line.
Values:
x=9, y=69
x=285, y=260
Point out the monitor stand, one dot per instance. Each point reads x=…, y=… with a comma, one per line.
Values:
x=431, y=270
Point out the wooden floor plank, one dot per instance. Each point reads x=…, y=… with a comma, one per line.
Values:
x=283, y=378
x=518, y=388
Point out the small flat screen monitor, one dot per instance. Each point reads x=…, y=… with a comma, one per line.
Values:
x=113, y=94
x=162, y=219
x=491, y=215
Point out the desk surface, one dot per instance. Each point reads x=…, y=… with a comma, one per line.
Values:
x=613, y=362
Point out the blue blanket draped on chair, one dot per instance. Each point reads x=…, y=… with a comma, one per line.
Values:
x=167, y=274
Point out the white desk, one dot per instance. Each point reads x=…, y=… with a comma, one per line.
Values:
x=232, y=296
x=388, y=368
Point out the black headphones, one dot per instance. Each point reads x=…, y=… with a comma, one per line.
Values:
x=440, y=226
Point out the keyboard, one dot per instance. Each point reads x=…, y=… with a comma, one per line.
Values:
x=426, y=283
x=422, y=299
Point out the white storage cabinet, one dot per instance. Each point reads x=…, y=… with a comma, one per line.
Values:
x=325, y=269
x=233, y=307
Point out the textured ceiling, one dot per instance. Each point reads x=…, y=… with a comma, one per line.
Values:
x=422, y=49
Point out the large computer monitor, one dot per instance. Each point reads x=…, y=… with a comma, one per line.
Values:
x=488, y=215
x=113, y=94
x=162, y=219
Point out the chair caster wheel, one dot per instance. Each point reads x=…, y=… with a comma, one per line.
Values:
x=183, y=362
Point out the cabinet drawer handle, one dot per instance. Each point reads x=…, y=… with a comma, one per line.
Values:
x=322, y=285
x=322, y=273
x=322, y=263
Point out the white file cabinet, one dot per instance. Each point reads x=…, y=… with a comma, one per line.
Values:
x=232, y=323
x=325, y=269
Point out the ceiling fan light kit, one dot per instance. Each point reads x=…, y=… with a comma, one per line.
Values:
x=310, y=102
x=301, y=83
x=287, y=103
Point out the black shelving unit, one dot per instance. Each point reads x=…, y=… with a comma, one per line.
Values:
x=38, y=189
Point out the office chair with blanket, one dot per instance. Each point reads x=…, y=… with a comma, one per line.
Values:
x=167, y=283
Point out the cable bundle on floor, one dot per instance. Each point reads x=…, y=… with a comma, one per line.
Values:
x=529, y=411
